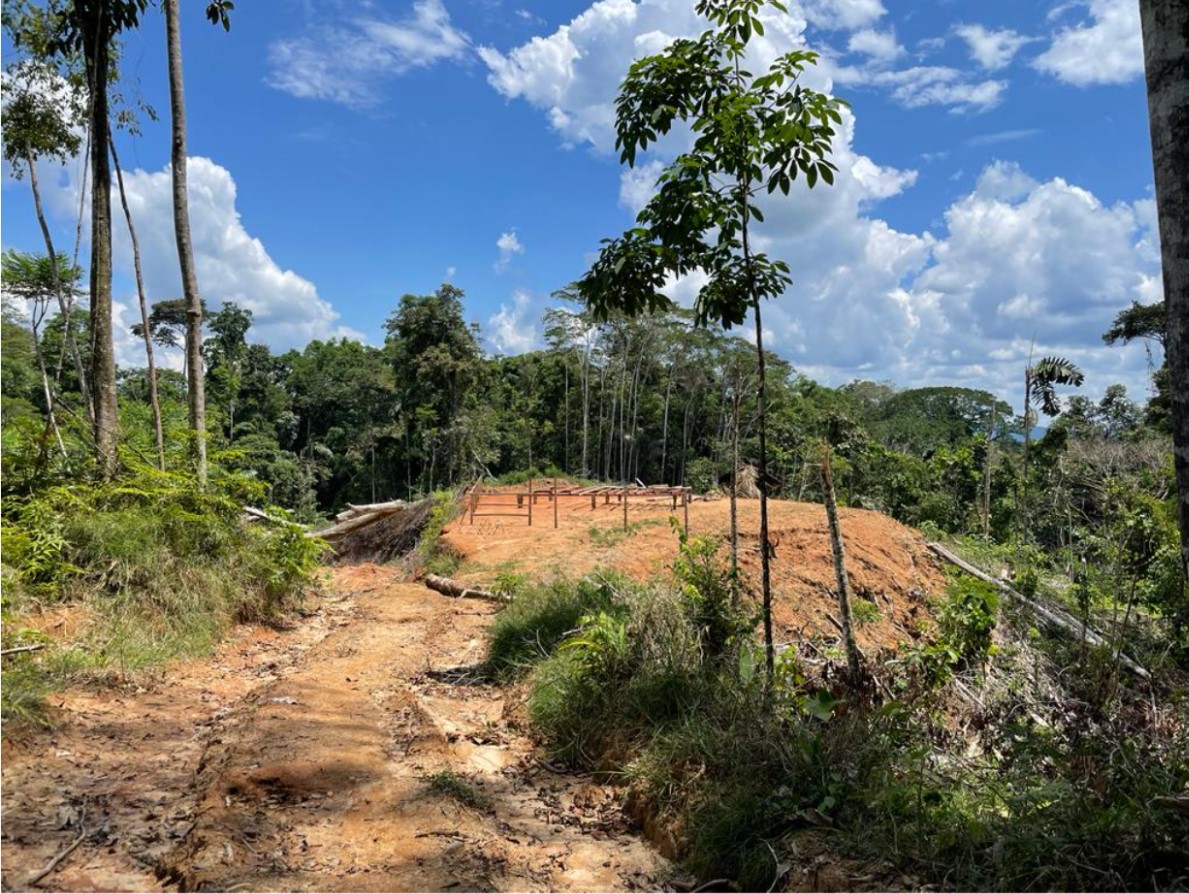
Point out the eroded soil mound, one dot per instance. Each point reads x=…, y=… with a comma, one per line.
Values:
x=891, y=569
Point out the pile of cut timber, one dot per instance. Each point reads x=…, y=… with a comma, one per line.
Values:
x=355, y=517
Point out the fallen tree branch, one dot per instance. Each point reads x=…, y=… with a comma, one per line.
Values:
x=260, y=515
x=16, y=649
x=1054, y=617
x=454, y=589
x=54, y=863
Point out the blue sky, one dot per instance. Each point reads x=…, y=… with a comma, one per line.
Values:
x=995, y=185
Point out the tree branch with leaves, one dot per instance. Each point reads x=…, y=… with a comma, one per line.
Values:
x=751, y=134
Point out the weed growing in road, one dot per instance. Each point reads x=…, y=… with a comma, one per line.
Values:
x=457, y=787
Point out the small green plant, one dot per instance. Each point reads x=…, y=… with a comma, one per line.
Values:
x=432, y=554
x=967, y=619
x=1027, y=581
x=705, y=585
x=457, y=787
x=864, y=612
x=509, y=583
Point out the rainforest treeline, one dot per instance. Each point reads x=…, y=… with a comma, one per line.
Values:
x=653, y=398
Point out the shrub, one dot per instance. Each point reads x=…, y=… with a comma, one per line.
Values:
x=968, y=618
x=542, y=615
x=163, y=567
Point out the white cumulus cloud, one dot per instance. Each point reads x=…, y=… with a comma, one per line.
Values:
x=232, y=265
x=1106, y=49
x=509, y=330
x=992, y=50
x=879, y=46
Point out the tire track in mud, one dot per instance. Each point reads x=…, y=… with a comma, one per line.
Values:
x=382, y=763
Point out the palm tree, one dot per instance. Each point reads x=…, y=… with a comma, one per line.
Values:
x=1040, y=381
x=1165, y=25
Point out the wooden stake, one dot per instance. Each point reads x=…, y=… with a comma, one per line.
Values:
x=554, y=502
x=625, y=507
x=530, y=502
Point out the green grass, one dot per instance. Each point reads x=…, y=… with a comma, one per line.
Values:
x=529, y=628
x=162, y=569
x=1068, y=804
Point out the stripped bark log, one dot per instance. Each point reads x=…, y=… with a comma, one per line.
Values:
x=350, y=525
x=353, y=511
x=16, y=650
x=1054, y=617
x=454, y=589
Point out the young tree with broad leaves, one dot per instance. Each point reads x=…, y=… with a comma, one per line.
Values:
x=750, y=134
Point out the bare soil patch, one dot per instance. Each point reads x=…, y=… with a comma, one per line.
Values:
x=357, y=751
x=889, y=563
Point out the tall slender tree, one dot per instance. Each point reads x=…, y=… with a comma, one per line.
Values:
x=181, y=225
x=150, y=355
x=1165, y=25
x=45, y=108
x=92, y=26
x=749, y=133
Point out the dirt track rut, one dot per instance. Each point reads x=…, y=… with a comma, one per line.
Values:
x=360, y=752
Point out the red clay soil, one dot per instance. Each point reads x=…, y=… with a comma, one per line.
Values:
x=356, y=751
x=888, y=563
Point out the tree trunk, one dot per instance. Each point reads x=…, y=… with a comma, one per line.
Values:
x=665, y=428
x=181, y=225
x=853, y=657
x=64, y=306
x=1165, y=25
x=1022, y=491
x=735, y=489
x=154, y=399
x=46, y=389
x=762, y=480
x=96, y=46
x=987, y=477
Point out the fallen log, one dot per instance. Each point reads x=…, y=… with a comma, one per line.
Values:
x=353, y=510
x=16, y=650
x=455, y=590
x=349, y=525
x=1054, y=617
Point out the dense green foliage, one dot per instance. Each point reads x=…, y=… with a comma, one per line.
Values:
x=1036, y=797
x=647, y=398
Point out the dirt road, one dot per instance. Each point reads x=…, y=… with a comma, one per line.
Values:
x=357, y=751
